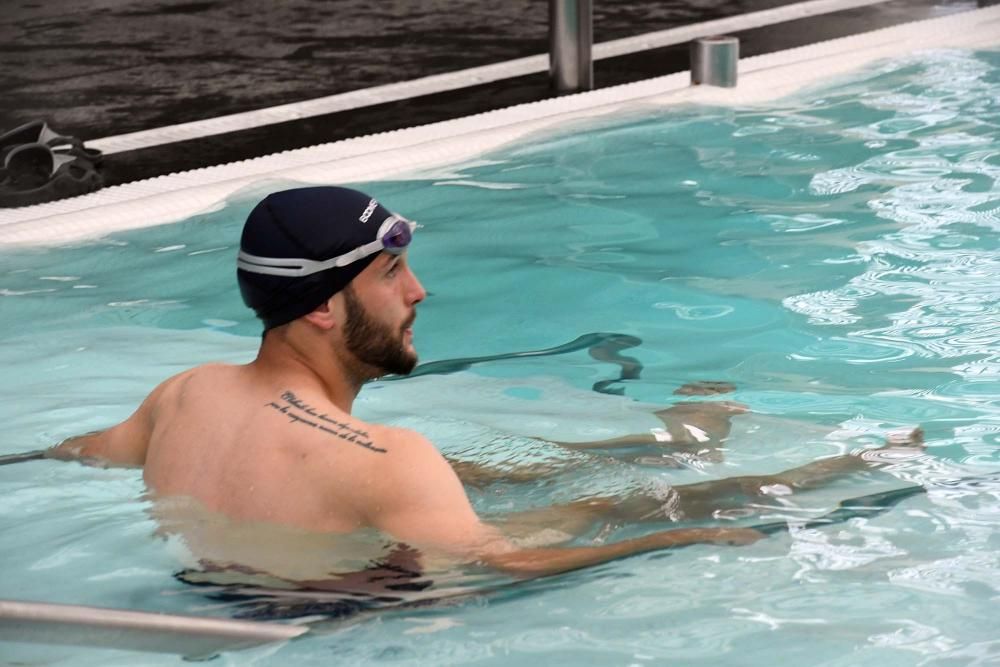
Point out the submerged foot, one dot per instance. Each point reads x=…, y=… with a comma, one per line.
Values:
x=899, y=445
x=909, y=437
x=705, y=388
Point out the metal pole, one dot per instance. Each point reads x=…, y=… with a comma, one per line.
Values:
x=571, y=34
x=713, y=61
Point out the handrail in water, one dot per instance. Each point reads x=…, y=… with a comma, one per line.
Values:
x=189, y=636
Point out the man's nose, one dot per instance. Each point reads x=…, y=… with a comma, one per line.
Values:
x=416, y=291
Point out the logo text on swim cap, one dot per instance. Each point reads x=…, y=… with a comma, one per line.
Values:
x=368, y=211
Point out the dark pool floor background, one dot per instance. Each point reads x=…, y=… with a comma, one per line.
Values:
x=96, y=68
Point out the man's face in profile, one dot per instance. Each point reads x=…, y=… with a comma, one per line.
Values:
x=382, y=345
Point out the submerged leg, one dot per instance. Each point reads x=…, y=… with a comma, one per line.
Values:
x=702, y=499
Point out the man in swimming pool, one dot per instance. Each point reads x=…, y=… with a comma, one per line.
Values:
x=274, y=440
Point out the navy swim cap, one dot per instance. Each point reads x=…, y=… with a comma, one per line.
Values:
x=306, y=223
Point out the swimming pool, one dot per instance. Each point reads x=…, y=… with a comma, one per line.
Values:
x=833, y=255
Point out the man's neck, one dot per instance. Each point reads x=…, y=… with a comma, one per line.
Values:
x=288, y=361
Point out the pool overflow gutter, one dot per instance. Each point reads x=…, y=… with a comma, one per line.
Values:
x=171, y=197
x=474, y=76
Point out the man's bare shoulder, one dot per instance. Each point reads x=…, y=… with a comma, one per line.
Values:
x=204, y=379
x=409, y=453
x=405, y=441
x=211, y=371
x=203, y=372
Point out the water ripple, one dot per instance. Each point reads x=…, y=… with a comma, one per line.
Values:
x=938, y=186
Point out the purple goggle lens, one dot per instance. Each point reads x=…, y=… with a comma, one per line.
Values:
x=398, y=236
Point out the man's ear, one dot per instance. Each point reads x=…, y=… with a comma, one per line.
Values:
x=327, y=315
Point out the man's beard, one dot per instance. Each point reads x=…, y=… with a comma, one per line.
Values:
x=374, y=343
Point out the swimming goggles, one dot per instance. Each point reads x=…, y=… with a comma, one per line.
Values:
x=393, y=237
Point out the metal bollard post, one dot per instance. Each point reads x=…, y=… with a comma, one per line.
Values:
x=713, y=61
x=571, y=34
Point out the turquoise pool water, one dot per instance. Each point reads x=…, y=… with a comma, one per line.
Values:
x=834, y=255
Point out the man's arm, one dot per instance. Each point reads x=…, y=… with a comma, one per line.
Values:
x=418, y=499
x=543, y=562
x=124, y=444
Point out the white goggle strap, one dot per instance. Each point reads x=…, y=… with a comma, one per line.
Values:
x=296, y=267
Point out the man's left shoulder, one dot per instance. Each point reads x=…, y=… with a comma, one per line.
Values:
x=398, y=436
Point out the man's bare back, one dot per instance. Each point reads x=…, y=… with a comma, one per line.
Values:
x=238, y=443
x=254, y=446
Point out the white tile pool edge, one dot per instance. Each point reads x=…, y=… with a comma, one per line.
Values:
x=412, y=152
